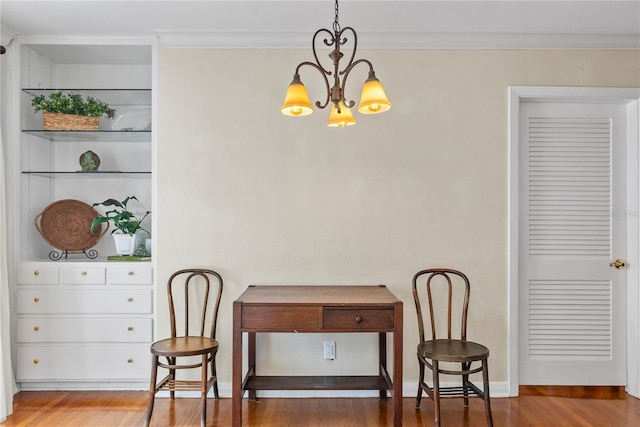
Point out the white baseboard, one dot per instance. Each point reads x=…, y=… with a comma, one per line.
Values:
x=83, y=385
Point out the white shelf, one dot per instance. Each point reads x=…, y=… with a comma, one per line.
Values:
x=122, y=135
x=98, y=174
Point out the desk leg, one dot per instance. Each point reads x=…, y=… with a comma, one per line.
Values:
x=236, y=379
x=382, y=358
x=397, y=365
x=251, y=350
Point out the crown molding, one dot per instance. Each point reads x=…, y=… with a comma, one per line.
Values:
x=7, y=35
x=399, y=40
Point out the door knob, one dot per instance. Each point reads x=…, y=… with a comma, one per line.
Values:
x=619, y=264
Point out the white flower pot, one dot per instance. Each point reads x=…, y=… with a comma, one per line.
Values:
x=126, y=244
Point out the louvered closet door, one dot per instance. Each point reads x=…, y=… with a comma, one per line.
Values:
x=572, y=313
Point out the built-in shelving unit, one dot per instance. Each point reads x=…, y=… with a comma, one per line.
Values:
x=77, y=308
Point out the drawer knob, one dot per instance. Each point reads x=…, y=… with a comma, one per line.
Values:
x=129, y=299
x=36, y=273
x=36, y=299
x=130, y=273
x=83, y=273
x=130, y=328
x=358, y=319
x=36, y=361
x=36, y=328
x=129, y=360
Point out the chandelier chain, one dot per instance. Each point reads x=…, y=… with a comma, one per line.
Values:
x=336, y=23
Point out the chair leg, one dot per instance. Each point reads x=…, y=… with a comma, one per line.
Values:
x=203, y=391
x=152, y=389
x=420, y=381
x=214, y=373
x=436, y=392
x=172, y=376
x=465, y=381
x=487, y=399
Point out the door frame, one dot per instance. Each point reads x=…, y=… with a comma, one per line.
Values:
x=631, y=98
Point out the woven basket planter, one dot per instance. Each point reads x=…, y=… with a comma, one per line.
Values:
x=58, y=121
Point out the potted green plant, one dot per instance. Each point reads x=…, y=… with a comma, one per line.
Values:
x=71, y=111
x=128, y=233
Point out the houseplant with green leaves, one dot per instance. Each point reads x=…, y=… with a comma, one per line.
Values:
x=128, y=233
x=71, y=111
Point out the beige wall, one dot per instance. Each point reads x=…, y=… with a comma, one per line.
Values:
x=268, y=199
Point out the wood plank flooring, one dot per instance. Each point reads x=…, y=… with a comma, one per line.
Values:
x=113, y=408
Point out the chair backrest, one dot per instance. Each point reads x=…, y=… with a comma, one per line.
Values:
x=455, y=284
x=200, y=300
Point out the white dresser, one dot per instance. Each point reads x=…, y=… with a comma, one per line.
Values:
x=83, y=325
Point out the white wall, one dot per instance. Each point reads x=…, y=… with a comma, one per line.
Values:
x=268, y=199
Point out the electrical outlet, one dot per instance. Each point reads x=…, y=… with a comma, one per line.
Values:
x=329, y=350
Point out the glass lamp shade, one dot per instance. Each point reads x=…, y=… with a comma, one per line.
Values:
x=373, y=99
x=296, y=102
x=342, y=118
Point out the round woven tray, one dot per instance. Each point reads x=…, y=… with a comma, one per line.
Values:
x=65, y=224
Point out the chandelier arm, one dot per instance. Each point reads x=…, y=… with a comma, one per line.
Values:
x=346, y=72
x=342, y=41
x=328, y=42
x=324, y=73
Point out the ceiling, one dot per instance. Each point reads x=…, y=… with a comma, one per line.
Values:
x=613, y=24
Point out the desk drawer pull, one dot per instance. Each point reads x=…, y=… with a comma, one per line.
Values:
x=357, y=318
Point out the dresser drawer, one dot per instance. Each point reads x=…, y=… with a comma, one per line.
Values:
x=89, y=301
x=81, y=330
x=133, y=275
x=82, y=276
x=74, y=363
x=357, y=318
x=38, y=275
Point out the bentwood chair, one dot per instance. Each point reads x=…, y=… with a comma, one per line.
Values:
x=198, y=293
x=450, y=356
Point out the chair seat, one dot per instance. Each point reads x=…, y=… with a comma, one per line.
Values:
x=445, y=350
x=183, y=346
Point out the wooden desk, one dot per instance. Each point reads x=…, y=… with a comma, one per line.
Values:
x=314, y=309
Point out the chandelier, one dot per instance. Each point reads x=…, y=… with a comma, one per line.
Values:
x=373, y=100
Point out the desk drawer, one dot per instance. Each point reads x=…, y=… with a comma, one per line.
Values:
x=357, y=318
x=283, y=318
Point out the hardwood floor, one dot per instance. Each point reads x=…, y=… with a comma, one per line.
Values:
x=107, y=409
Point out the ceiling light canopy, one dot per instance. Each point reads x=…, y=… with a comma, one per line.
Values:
x=373, y=99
